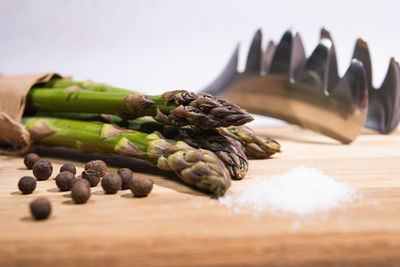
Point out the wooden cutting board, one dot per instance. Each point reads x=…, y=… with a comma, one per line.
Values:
x=178, y=226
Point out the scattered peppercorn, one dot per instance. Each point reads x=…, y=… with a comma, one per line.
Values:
x=40, y=208
x=27, y=184
x=64, y=180
x=141, y=186
x=30, y=159
x=97, y=165
x=42, y=169
x=126, y=176
x=92, y=176
x=80, y=192
x=79, y=180
x=111, y=183
x=68, y=167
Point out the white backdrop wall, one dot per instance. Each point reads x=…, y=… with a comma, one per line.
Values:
x=162, y=45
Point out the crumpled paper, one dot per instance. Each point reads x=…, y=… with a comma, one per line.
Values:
x=14, y=138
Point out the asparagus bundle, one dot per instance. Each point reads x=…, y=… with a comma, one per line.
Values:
x=176, y=108
x=255, y=146
x=198, y=167
x=192, y=120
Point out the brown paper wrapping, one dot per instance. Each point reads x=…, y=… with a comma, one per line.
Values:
x=14, y=138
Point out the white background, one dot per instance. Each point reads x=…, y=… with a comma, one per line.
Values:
x=154, y=46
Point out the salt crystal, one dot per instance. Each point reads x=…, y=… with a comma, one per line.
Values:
x=301, y=191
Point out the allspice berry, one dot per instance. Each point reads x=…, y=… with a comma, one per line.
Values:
x=79, y=180
x=80, y=192
x=111, y=183
x=141, y=186
x=97, y=165
x=30, y=159
x=92, y=176
x=68, y=167
x=42, y=169
x=40, y=208
x=27, y=184
x=126, y=176
x=64, y=180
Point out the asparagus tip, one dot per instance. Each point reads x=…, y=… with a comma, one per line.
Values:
x=202, y=110
x=200, y=168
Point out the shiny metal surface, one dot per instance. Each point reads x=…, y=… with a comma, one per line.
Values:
x=383, y=105
x=281, y=82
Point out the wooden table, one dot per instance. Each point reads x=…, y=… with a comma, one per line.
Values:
x=178, y=226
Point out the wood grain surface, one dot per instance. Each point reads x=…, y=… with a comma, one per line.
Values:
x=178, y=226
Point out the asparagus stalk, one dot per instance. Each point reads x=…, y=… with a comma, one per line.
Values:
x=177, y=108
x=85, y=85
x=198, y=167
x=255, y=146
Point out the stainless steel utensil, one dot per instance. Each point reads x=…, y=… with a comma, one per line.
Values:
x=281, y=82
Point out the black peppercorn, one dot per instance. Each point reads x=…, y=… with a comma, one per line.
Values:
x=83, y=181
x=40, y=208
x=141, y=186
x=111, y=183
x=97, y=165
x=126, y=176
x=27, y=184
x=68, y=167
x=30, y=159
x=80, y=192
x=42, y=169
x=92, y=176
x=64, y=180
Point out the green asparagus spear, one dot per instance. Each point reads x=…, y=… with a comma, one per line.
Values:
x=178, y=108
x=76, y=100
x=198, y=167
x=85, y=85
x=255, y=146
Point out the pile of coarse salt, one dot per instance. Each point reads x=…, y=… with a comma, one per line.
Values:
x=301, y=191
